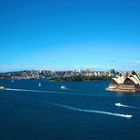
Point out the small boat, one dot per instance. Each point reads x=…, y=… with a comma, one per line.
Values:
x=39, y=84
x=128, y=116
x=2, y=88
x=12, y=81
x=118, y=104
x=63, y=87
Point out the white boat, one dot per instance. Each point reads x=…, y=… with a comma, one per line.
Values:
x=118, y=104
x=2, y=88
x=128, y=116
x=63, y=87
x=39, y=84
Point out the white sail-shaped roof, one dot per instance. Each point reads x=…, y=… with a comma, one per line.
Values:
x=135, y=75
x=116, y=80
x=133, y=79
x=120, y=79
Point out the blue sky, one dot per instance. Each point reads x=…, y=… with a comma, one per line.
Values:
x=68, y=34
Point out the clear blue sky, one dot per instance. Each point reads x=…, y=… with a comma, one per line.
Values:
x=66, y=34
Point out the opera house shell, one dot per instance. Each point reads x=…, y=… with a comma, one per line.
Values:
x=123, y=83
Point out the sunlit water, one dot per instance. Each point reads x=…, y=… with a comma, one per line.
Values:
x=82, y=111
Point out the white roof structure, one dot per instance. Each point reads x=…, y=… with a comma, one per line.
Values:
x=133, y=77
x=120, y=78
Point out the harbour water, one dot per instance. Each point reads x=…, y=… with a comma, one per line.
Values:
x=81, y=111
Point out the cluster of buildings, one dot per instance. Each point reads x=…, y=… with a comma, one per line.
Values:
x=36, y=74
x=121, y=81
x=22, y=75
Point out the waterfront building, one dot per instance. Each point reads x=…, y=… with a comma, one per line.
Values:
x=125, y=83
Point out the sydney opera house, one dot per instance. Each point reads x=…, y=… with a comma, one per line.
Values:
x=123, y=83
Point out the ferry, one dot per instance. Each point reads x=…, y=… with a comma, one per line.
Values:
x=2, y=88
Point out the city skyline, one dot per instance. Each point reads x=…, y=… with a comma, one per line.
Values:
x=76, y=34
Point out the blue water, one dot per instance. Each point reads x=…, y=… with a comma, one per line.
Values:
x=85, y=111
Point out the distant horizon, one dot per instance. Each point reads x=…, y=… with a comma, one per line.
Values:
x=61, y=69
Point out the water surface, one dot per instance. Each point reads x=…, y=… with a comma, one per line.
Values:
x=50, y=113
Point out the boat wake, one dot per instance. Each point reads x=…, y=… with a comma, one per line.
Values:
x=48, y=92
x=38, y=91
x=66, y=88
x=70, y=107
x=55, y=92
x=126, y=106
x=90, y=111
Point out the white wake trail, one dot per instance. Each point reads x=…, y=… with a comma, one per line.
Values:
x=126, y=106
x=38, y=91
x=55, y=92
x=90, y=111
x=47, y=91
x=70, y=107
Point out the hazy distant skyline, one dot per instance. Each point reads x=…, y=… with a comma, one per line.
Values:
x=68, y=34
